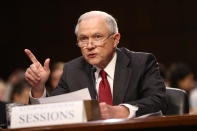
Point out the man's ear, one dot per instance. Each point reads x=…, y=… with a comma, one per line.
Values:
x=116, y=39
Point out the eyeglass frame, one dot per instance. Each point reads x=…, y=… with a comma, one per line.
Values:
x=93, y=42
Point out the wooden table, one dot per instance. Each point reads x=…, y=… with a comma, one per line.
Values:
x=185, y=122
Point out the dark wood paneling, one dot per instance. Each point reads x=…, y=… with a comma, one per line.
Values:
x=167, y=29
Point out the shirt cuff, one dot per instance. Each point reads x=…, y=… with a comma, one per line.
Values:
x=132, y=110
x=36, y=100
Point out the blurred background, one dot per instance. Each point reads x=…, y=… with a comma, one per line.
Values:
x=166, y=28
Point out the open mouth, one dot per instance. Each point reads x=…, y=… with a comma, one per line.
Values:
x=92, y=55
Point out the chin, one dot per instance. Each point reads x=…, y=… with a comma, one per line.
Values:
x=93, y=62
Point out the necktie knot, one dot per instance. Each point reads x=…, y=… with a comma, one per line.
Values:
x=103, y=74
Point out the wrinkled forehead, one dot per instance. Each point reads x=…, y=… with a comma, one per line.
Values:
x=93, y=25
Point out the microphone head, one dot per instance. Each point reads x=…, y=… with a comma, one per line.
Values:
x=93, y=69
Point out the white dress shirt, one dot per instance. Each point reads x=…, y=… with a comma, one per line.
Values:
x=110, y=70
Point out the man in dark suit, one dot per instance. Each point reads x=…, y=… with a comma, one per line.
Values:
x=126, y=83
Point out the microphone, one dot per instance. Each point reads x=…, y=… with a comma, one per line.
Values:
x=93, y=70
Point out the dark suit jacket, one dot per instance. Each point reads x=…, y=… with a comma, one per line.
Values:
x=3, y=122
x=137, y=81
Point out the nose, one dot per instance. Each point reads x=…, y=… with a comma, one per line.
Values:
x=90, y=44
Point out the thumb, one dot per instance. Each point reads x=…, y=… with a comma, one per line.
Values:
x=46, y=64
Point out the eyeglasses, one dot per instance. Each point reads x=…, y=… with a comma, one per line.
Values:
x=97, y=40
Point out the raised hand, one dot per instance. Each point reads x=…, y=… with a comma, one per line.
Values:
x=37, y=75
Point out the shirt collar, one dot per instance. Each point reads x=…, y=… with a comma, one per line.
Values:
x=110, y=68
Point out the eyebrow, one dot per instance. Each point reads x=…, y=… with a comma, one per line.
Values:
x=97, y=33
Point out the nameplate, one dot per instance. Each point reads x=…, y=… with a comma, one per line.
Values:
x=52, y=114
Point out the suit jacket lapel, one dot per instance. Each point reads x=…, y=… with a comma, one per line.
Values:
x=121, y=78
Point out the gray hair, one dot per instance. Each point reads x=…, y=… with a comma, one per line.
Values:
x=110, y=20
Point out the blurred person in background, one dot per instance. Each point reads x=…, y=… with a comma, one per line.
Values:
x=2, y=105
x=57, y=70
x=2, y=89
x=193, y=100
x=181, y=76
x=20, y=93
x=14, y=78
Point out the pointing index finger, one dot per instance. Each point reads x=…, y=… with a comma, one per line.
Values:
x=31, y=56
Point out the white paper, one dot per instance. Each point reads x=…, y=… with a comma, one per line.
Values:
x=78, y=95
x=159, y=113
